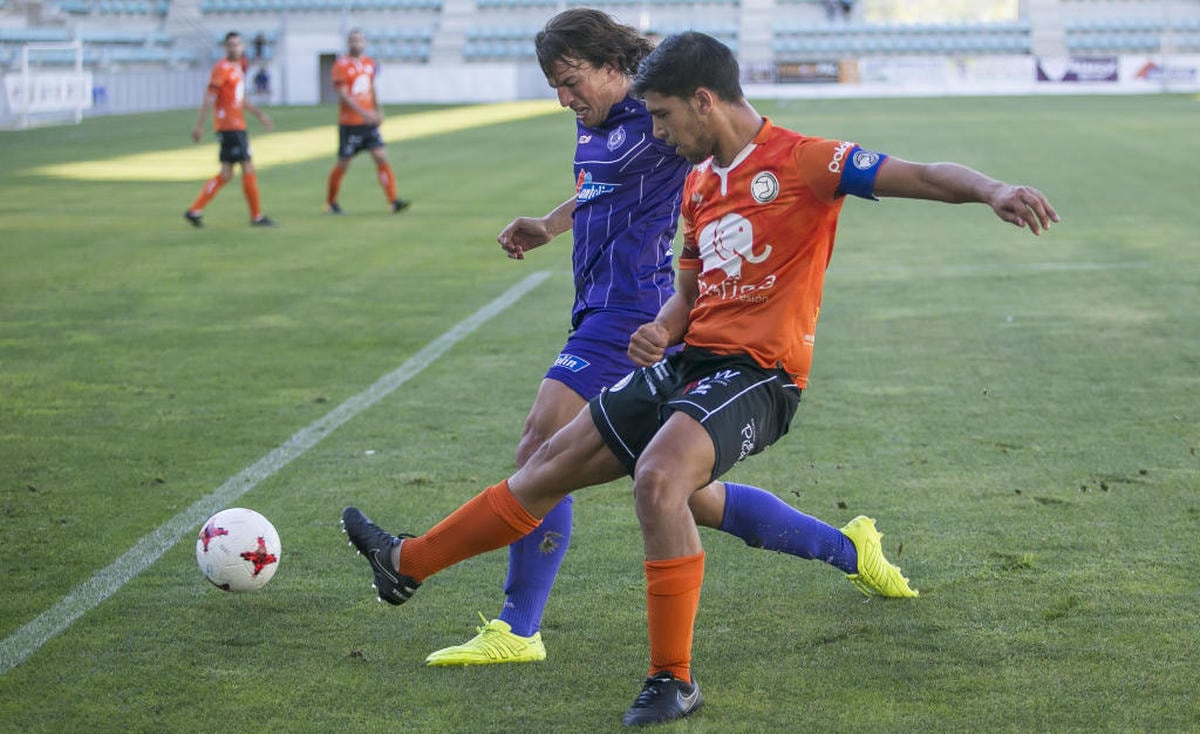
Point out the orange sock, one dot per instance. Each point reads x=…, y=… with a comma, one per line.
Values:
x=211, y=187
x=250, y=188
x=672, y=599
x=387, y=180
x=491, y=519
x=335, y=184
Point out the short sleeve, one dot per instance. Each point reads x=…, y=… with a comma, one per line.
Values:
x=216, y=80
x=834, y=168
x=819, y=162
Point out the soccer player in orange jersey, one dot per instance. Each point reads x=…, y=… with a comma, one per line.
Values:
x=226, y=94
x=359, y=115
x=760, y=211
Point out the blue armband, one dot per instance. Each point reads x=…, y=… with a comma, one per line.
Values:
x=858, y=175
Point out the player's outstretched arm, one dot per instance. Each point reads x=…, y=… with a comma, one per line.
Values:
x=525, y=233
x=956, y=184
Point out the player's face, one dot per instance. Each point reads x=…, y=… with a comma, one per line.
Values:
x=356, y=43
x=677, y=123
x=234, y=48
x=588, y=90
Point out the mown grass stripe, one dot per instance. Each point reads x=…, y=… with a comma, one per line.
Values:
x=88, y=595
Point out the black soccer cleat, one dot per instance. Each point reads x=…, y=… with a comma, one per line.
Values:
x=194, y=217
x=333, y=208
x=400, y=205
x=376, y=544
x=263, y=221
x=663, y=698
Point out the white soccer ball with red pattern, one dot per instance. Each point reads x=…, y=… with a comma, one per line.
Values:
x=238, y=550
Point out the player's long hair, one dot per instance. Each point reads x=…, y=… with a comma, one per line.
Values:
x=590, y=35
x=683, y=63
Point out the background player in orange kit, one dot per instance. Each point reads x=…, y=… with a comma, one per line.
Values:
x=359, y=115
x=226, y=94
x=760, y=212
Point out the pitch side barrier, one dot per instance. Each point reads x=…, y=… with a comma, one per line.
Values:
x=924, y=76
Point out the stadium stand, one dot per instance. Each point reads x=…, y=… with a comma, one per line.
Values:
x=267, y=7
x=132, y=31
x=814, y=42
x=1133, y=34
x=186, y=34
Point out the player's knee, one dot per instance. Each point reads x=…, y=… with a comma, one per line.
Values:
x=535, y=433
x=655, y=491
x=527, y=446
x=537, y=454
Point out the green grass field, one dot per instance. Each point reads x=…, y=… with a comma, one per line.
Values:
x=1021, y=414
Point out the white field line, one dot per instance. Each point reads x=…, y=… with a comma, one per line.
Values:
x=88, y=595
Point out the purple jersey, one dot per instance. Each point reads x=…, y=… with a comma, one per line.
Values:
x=627, y=195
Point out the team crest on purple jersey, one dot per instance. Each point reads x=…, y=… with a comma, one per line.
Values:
x=616, y=138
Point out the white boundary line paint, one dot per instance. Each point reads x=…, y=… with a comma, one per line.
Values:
x=91, y=593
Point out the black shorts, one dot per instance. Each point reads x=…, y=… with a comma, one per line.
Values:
x=235, y=147
x=744, y=407
x=353, y=139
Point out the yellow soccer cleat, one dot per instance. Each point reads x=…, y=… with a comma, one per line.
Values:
x=876, y=575
x=495, y=643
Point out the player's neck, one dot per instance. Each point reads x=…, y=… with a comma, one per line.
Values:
x=736, y=128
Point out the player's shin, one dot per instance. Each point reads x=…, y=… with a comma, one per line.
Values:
x=763, y=520
x=250, y=189
x=387, y=180
x=490, y=520
x=210, y=189
x=672, y=599
x=533, y=563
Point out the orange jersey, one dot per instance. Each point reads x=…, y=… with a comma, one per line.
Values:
x=357, y=77
x=761, y=234
x=228, y=83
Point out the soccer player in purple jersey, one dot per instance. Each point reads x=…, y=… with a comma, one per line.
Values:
x=623, y=217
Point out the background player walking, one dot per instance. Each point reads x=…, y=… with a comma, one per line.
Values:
x=226, y=94
x=359, y=115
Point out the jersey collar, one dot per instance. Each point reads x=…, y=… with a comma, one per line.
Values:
x=759, y=138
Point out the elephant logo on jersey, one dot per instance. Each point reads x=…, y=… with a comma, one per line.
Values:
x=726, y=242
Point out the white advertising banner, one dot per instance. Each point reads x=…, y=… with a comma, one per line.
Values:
x=38, y=92
x=1157, y=73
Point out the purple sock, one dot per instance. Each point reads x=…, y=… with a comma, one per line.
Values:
x=533, y=563
x=763, y=520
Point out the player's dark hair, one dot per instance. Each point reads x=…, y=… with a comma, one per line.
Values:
x=683, y=63
x=232, y=34
x=592, y=36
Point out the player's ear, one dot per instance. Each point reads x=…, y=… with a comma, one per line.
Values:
x=703, y=100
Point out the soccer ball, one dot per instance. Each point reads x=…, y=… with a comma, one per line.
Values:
x=238, y=550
